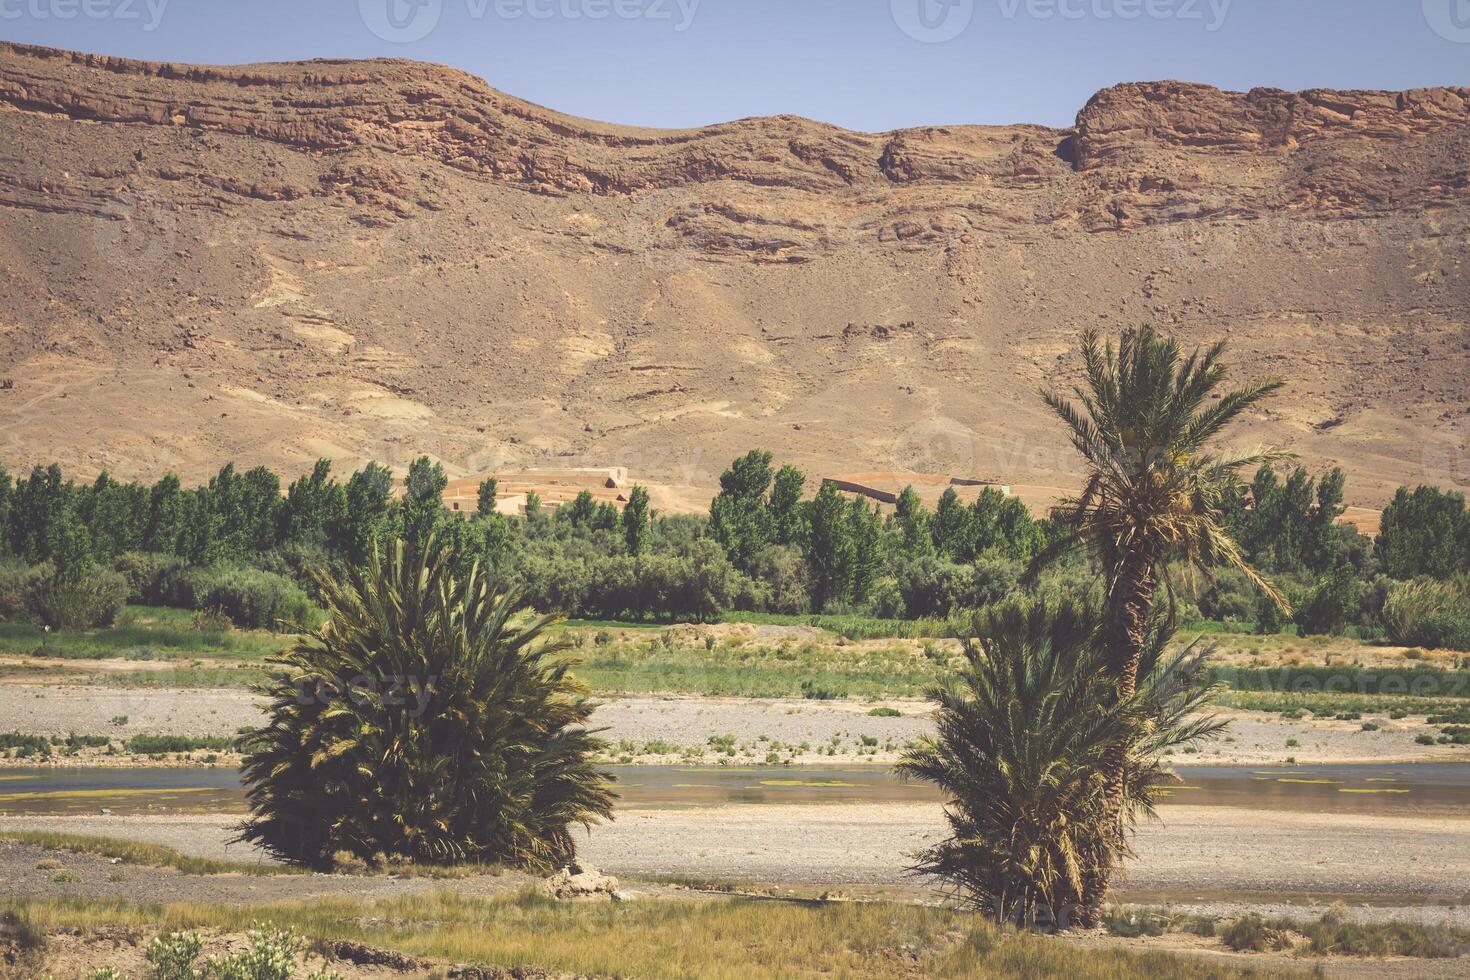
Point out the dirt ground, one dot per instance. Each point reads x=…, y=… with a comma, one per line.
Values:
x=1196, y=854
x=752, y=844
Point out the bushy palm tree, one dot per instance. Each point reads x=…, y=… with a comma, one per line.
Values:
x=1155, y=491
x=428, y=719
x=1026, y=731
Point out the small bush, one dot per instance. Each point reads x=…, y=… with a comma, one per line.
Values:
x=155, y=744
x=252, y=599
x=143, y=570
x=172, y=956
x=1444, y=631
x=1251, y=933
x=885, y=713
x=1428, y=613
x=93, y=600
x=24, y=746
x=813, y=691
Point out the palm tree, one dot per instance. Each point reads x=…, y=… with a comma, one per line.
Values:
x=1155, y=490
x=1025, y=736
x=427, y=719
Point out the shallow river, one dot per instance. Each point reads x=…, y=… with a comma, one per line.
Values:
x=1422, y=788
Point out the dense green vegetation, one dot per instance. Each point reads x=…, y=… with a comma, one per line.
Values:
x=73, y=555
x=1027, y=731
x=430, y=722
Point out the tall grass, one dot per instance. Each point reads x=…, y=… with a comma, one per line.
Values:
x=851, y=627
x=142, y=632
x=141, y=853
x=735, y=939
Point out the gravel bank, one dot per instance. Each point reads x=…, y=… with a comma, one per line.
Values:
x=690, y=723
x=1201, y=854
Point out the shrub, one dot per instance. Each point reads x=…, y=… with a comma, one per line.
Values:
x=17, y=581
x=932, y=586
x=271, y=956
x=1330, y=605
x=1442, y=630
x=155, y=744
x=142, y=570
x=94, y=599
x=172, y=956
x=1231, y=598
x=992, y=578
x=1250, y=933
x=252, y=599
x=430, y=722
x=1026, y=814
x=1409, y=605
x=1269, y=617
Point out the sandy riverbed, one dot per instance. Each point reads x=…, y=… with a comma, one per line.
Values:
x=690, y=722
x=1195, y=854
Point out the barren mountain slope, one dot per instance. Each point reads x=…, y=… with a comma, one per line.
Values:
x=377, y=259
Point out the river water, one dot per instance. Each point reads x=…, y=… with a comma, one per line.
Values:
x=1419, y=788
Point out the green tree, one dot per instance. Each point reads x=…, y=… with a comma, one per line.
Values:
x=606, y=517
x=739, y=517
x=1154, y=491
x=115, y=514
x=788, y=524
x=314, y=504
x=485, y=497
x=1026, y=734
x=868, y=557
x=951, y=531
x=369, y=513
x=1322, y=524
x=6, y=494
x=912, y=521
x=428, y=721
x=582, y=510
x=164, y=531
x=635, y=520
x=423, y=501
x=830, y=549
x=44, y=522
x=1424, y=531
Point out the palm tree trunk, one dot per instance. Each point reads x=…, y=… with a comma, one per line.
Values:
x=1131, y=601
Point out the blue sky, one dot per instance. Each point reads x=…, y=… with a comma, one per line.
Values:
x=865, y=64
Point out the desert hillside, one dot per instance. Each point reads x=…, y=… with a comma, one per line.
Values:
x=375, y=259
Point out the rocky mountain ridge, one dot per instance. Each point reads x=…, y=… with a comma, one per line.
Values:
x=370, y=259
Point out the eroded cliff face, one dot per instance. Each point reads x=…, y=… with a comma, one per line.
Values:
x=372, y=259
